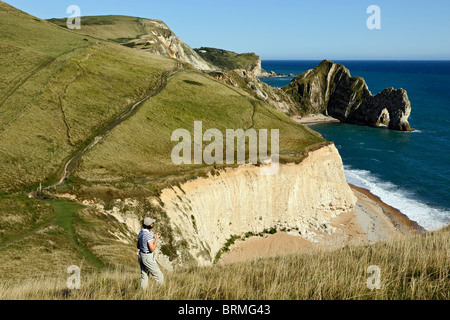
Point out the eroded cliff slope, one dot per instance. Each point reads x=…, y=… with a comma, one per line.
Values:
x=301, y=198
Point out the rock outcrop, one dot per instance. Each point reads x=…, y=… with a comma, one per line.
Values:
x=329, y=89
x=159, y=39
x=390, y=107
x=248, y=81
x=301, y=198
x=257, y=68
x=271, y=74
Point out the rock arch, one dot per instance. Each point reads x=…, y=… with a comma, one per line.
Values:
x=383, y=118
x=330, y=89
x=390, y=107
x=392, y=103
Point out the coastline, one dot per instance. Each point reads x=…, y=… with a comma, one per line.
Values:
x=399, y=219
x=370, y=221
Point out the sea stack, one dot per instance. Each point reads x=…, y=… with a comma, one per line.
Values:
x=329, y=89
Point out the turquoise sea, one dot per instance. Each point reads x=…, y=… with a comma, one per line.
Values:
x=407, y=170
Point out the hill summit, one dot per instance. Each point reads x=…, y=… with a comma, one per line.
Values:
x=147, y=35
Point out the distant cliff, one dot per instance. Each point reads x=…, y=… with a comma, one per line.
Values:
x=329, y=89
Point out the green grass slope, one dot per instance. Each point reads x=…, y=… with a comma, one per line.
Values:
x=147, y=35
x=49, y=114
x=89, y=93
x=41, y=238
x=32, y=51
x=112, y=27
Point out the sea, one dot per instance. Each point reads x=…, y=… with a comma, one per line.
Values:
x=408, y=170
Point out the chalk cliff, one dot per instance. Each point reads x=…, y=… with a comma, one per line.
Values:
x=329, y=89
x=301, y=198
x=159, y=39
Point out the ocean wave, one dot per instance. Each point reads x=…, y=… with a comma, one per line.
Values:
x=426, y=216
x=373, y=149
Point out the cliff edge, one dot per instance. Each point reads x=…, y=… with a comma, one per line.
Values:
x=301, y=199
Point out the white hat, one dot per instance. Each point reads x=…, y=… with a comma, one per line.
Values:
x=149, y=221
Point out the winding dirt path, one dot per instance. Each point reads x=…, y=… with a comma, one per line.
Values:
x=72, y=163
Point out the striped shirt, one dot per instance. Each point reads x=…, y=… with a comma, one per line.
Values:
x=144, y=237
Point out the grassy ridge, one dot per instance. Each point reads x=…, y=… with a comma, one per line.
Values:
x=90, y=89
x=113, y=27
x=340, y=274
x=147, y=35
x=141, y=147
x=76, y=98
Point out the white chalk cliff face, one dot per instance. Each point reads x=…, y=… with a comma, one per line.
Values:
x=257, y=68
x=300, y=197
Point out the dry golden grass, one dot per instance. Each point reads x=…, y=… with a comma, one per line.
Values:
x=413, y=267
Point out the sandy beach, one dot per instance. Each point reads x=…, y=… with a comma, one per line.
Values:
x=372, y=220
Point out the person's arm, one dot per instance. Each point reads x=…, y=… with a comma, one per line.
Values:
x=153, y=244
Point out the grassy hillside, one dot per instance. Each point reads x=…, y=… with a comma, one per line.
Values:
x=50, y=113
x=139, y=150
x=147, y=35
x=100, y=114
x=228, y=60
x=56, y=234
x=91, y=89
x=112, y=27
x=32, y=51
x=415, y=267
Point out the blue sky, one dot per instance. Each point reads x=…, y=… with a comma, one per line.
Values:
x=288, y=29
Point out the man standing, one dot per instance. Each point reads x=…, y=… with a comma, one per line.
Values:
x=147, y=260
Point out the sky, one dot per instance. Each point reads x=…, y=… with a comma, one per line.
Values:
x=287, y=29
